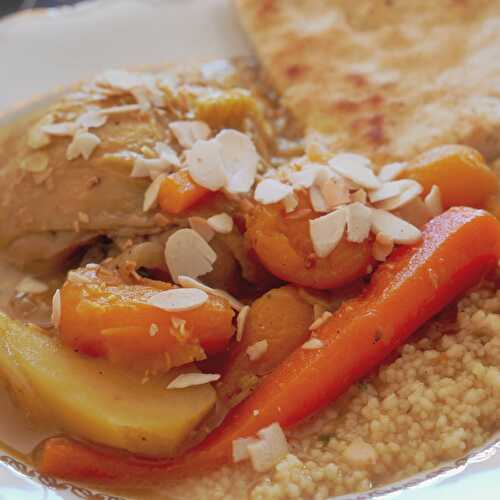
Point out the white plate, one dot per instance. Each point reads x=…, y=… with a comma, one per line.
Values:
x=43, y=51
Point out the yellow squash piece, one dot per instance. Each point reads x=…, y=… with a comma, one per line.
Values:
x=94, y=400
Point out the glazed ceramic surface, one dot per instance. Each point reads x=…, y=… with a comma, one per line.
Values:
x=42, y=52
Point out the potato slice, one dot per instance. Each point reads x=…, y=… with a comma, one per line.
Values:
x=95, y=400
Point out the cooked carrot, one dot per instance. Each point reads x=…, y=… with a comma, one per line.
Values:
x=458, y=248
x=178, y=192
x=114, y=321
x=460, y=172
x=283, y=245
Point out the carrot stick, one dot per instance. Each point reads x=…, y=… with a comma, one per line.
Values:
x=456, y=251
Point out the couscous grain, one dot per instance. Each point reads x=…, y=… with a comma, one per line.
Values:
x=439, y=399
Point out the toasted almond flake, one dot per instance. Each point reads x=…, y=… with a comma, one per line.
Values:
x=400, y=231
x=188, y=254
x=200, y=225
x=221, y=223
x=391, y=171
x=240, y=322
x=335, y=192
x=35, y=162
x=37, y=138
x=150, y=167
x=166, y=153
x=185, y=380
x=382, y=250
x=240, y=159
x=141, y=97
x=388, y=190
x=433, y=201
x=359, y=220
x=312, y=344
x=91, y=119
x=255, y=413
x=205, y=165
x=83, y=144
x=415, y=212
x=240, y=448
x=291, y=202
x=179, y=299
x=317, y=201
x=269, y=449
x=119, y=110
x=80, y=278
x=31, y=285
x=188, y=133
x=360, y=196
x=356, y=168
x=56, y=309
x=151, y=194
x=187, y=281
x=411, y=189
x=271, y=191
x=83, y=217
x=60, y=129
x=257, y=350
x=320, y=321
x=327, y=231
x=119, y=79
x=305, y=178
x=153, y=329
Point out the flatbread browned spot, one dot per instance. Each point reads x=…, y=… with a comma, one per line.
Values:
x=386, y=79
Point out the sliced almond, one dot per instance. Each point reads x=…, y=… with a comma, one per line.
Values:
x=179, y=299
x=91, y=119
x=188, y=254
x=433, y=201
x=166, y=153
x=291, y=202
x=119, y=79
x=269, y=449
x=200, y=225
x=271, y=191
x=187, y=281
x=240, y=159
x=60, y=129
x=359, y=220
x=56, y=309
x=240, y=448
x=388, y=190
x=397, y=229
x=37, y=138
x=325, y=316
x=312, y=344
x=83, y=144
x=410, y=189
x=221, y=223
x=318, y=203
x=188, y=132
x=257, y=350
x=31, y=285
x=382, y=247
x=304, y=178
x=151, y=194
x=205, y=165
x=185, y=380
x=327, y=231
x=335, y=192
x=356, y=168
x=80, y=278
x=391, y=171
x=150, y=167
x=240, y=322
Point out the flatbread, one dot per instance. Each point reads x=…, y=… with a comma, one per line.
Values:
x=388, y=78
